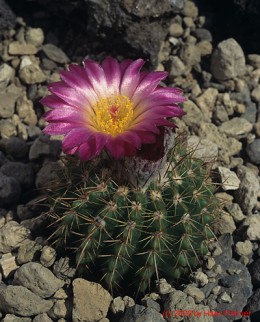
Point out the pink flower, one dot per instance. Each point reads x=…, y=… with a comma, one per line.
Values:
x=112, y=106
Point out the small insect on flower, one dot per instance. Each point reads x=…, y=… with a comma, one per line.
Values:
x=112, y=106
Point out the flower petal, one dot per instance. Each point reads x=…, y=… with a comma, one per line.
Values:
x=97, y=78
x=131, y=78
x=113, y=74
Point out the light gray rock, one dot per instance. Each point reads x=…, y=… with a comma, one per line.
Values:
x=60, y=310
x=255, y=94
x=252, y=224
x=56, y=54
x=190, y=54
x=19, y=300
x=26, y=111
x=254, y=60
x=117, y=305
x=236, y=127
x=34, y=36
x=90, y=302
x=43, y=317
x=202, y=148
x=7, y=129
x=43, y=146
x=235, y=211
x=190, y=9
x=175, y=29
x=8, y=264
x=18, y=48
x=48, y=256
x=195, y=292
x=14, y=318
x=177, y=67
x=62, y=269
x=228, y=178
x=206, y=102
x=12, y=235
x=225, y=224
x=253, y=151
x=140, y=313
x=244, y=248
x=7, y=104
x=32, y=74
x=248, y=191
x=27, y=252
x=38, y=279
x=227, y=60
x=6, y=75
x=10, y=191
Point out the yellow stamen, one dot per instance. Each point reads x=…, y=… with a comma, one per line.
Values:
x=113, y=115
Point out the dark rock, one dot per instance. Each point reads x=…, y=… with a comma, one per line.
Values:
x=7, y=16
x=250, y=6
x=10, y=190
x=202, y=34
x=141, y=313
x=250, y=113
x=22, y=172
x=229, y=280
x=253, y=151
x=43, y=146
x=254, y=302
x=14, y=146
x=255, y=272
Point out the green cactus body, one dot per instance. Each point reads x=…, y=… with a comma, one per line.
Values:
x=134, y=233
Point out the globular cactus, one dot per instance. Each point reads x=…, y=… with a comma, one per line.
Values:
x=135, y=233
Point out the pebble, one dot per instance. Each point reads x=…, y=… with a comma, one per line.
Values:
x=14, y=318
x=141, y=313
x=28, y=252
x=177, y=67
x=190, y=9
x=26, y=111
x=117, y=305
x=6, y=75
x=43, y=317
x=244, y=248
x=235, y=211
x=202, y=34
x=46, y=175
x=206, y=102
x=195, y=292
x=254, y=60
x=54, y=53
x=15, y=146
x=90, y=302
x=190, y=54
x=236, y=127
x=17, y=48
x=34, y=36
x=149, y=302
x=62, y=269
x=175, y=30
x=252, y=223
x=22, y=172
x=8, y=264
x=164, y=287
x=48, y=256
x=225, y=224
x=224, y=297
x=32, y=74
x=38, y=279
x=254, y=301
x=205, y=48
x=59, y=310
x=227, y=60
x=253, y=151
x=43, y=146
x=228, y=178
x=21, y=301
x=248, y=191
x=200, y=278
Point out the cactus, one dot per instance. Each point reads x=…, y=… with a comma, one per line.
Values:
x=135, y=233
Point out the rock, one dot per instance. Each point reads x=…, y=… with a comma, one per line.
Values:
x=141, y=313
x=8, y=264
x=42, y=318
x=38, y=279
x=205, y=48
x=244, y=248
x=227, y=60
x=19, y=300
x=10, y=190
x=149, y=302
x=91, y=301
x=253, y=151
x=236, y=127
x=164, y=287
x=15, y=146
x=46, y=176
x=256, y=94
x=48, y=256
x=6, y=75
x=193, y=114
x=56, y=54
x=22, y=172
x=14, y=318
x=225, y=224
x=28, y=252
x=43, y=146
x=228, y=178
x=254, y=302
x=34, y=36
x=200, y=278
x=12, y=235
x=117, y=305
x=190, y=54
x=190, y=9
x=7, y=129
x=206, y=102
x=17, y=48
x=250, y=113
x=62, y=269
x=252, y=223
x=32, y=74
x=235, y=211
x=195, y=292
x=59, y=310
x=7, y=105
x=248, y=191
x=129, y=302
x=25, y=110
x=202, y=34
x=7, y=18
x=175, y=30
x=177, y=67
x=254, y=60
x=202, y=148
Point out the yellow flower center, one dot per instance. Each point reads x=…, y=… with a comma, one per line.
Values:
x=113, y=115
